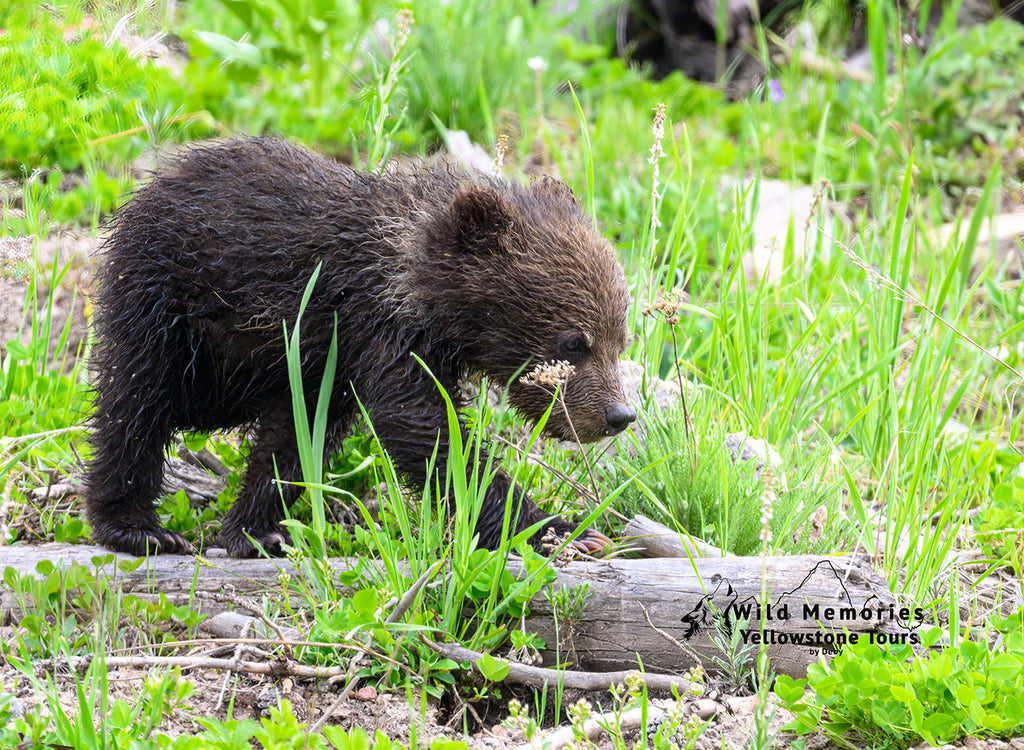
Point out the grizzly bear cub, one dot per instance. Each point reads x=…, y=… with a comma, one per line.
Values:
x=207, y=261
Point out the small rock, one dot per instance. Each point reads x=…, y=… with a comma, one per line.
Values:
x=705, y=709
x=664, y=393
x=12, y=705
x=467, y=153
x=266, y=699
x=367, y=694
x=978, y=743
x=777, y=203
x=272, y=695
x=500, y=732
x=742, y=447
x=1002, y=233
x=742, y=704
x=654, y=723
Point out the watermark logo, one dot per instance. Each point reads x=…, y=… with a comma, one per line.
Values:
x=819, y=614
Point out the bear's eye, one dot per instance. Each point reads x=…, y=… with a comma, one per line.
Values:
x=572, y=346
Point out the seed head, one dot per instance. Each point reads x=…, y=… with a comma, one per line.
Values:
x=666, y=307
x=656, y=153
x=404, y=23
x=499, y=154
x=581, y=710
x=658, y=130
x=549, y=374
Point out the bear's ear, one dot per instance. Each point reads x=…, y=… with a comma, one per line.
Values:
x=554, y=188
x=480, y=220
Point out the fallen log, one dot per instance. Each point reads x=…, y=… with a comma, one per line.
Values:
x=665, y=612
x=652, y=539
x=611, y=614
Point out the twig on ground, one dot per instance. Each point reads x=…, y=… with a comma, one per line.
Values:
x=277, y=668
x=541, y=677
x=246, y=641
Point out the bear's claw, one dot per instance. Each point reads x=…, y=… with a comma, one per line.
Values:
x=143, y=540
x=253, y=542
x=589, y=541
x=592, y=542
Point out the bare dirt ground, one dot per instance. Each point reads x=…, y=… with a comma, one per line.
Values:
x=221, y=696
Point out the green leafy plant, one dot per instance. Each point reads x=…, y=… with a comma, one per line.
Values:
x=61, y=600
x=316, y=39
x=1000, y=526
x=892, y=698
x=735, y=659
x=965, y=91
x=200, y=524
x=315, y=67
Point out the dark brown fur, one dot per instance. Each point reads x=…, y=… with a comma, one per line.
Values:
x=210, y=257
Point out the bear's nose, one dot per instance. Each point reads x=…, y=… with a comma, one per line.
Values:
x=618, y=417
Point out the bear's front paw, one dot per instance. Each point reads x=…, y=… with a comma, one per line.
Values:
x=254, y=542
x=589, y=541
x=141, y=540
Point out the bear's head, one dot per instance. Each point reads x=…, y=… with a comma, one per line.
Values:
x=514, y=277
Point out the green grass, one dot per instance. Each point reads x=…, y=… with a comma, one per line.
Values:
x=43, y=400
x=883, y=364
x=70, y=100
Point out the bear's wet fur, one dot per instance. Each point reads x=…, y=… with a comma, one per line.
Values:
x=211, y=257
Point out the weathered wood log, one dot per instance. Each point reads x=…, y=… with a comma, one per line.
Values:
x=653, y=539
x=664, y=612
x=661, y=612
x=199, y=483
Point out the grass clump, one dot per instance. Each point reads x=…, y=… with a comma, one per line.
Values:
x=42, y=399
x=691, y=475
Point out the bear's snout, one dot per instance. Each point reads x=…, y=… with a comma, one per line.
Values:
x=618, y=417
